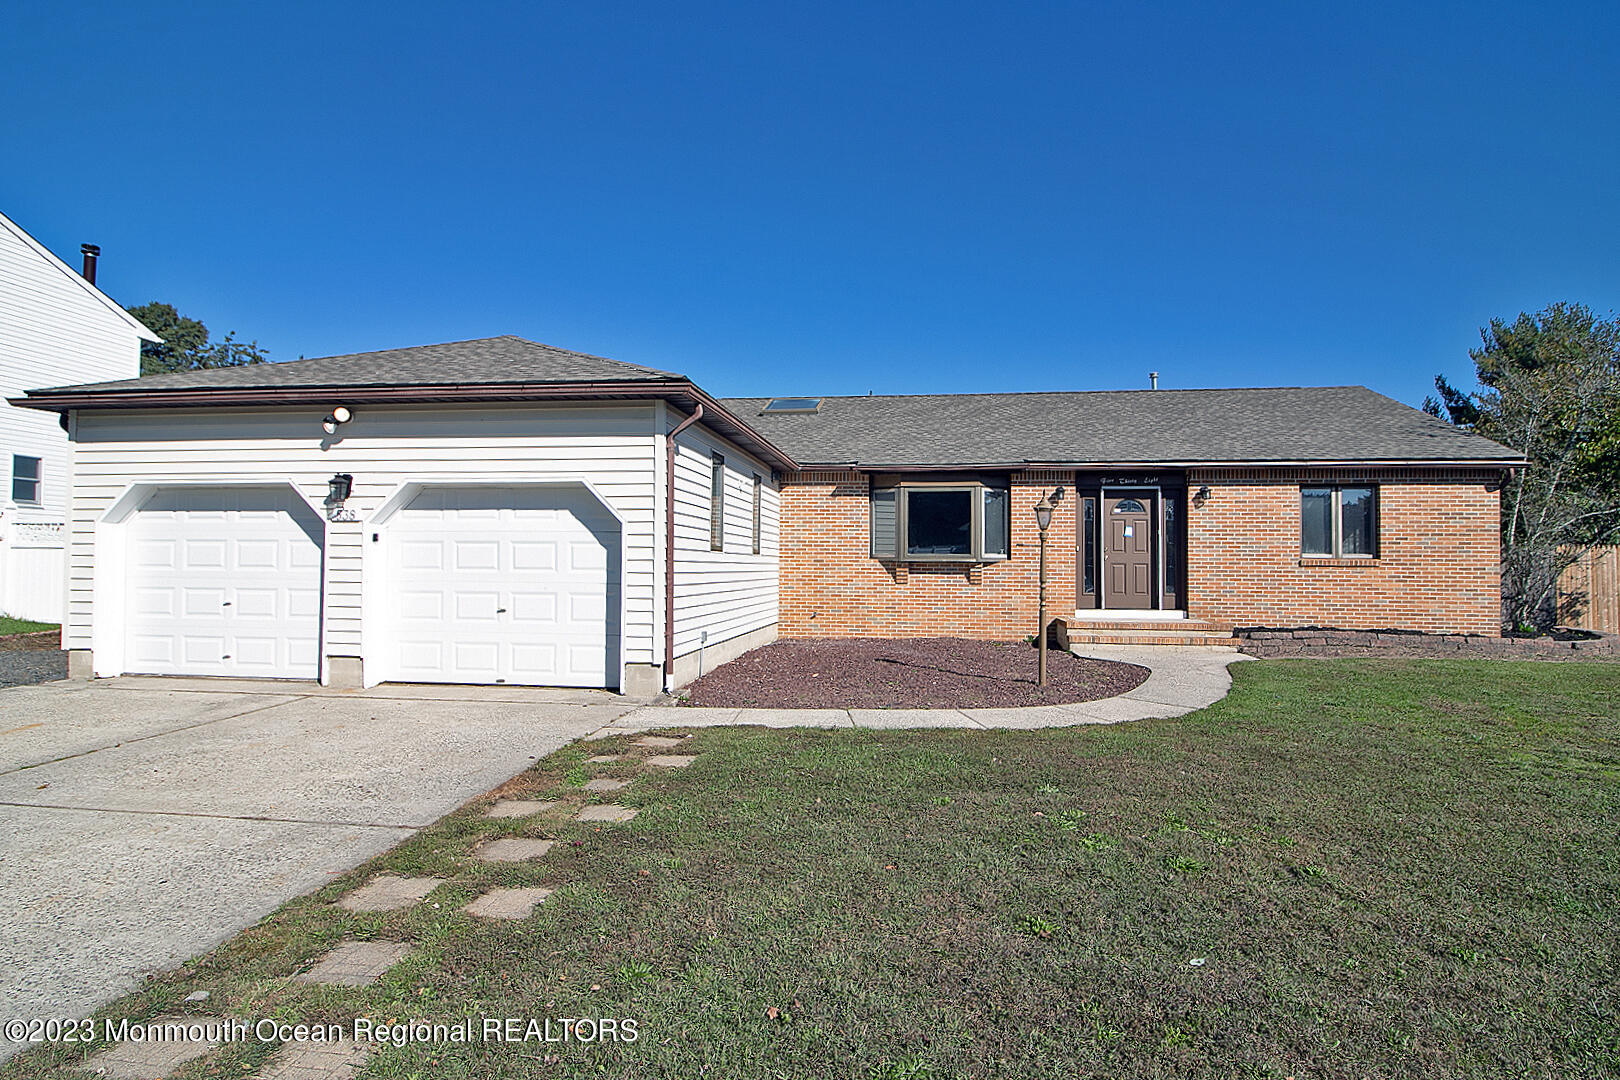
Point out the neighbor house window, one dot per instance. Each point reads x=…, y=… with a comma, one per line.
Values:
x=940, y=522
x=1339, y=522
x=717, y=502
x=24, y=479
x=758, y=511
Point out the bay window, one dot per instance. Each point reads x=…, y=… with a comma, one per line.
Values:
x=940, y=522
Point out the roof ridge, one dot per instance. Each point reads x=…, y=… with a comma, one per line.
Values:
x=1049, y=393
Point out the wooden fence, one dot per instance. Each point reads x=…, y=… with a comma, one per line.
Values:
x=1589, y=592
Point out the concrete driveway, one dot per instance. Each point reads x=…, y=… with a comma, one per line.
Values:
x=144, y=820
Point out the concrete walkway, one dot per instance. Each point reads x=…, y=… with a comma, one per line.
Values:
x=1184, y=678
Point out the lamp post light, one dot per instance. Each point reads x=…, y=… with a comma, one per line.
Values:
x=1043, y=518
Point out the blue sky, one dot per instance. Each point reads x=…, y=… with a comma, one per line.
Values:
x=838, y=197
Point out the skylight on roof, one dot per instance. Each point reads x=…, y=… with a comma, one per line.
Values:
x=793, y=404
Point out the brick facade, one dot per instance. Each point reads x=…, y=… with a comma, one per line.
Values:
x=1438, y=565
x=832, y=587
x=1437, y=569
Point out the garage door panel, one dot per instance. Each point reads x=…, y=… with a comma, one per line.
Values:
x=533, y=660
x=534, y=608
x=477, y=555
x=534, y=555
x=258, y=554
x=256, y=653
x=480, y=657
x=257, y=604
x=476, y=606
x=304, y=604
x=421, y=555
x=522, y=581
x=224, y=581
x=204, y=603
x=204, y=554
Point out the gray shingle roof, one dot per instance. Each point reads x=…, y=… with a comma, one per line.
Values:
x=485, y=361
x=1333, y=423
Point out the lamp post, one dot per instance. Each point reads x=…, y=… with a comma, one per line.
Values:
x=1043, y=518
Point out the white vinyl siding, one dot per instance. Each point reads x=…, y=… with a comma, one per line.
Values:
x=732, y=591
x=53, y=332
x=613, y=448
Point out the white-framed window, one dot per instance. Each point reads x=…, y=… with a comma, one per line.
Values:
x=940, y=522
x=26, y=480
x=717, y=502
x=759, y=511
x=1339, y=522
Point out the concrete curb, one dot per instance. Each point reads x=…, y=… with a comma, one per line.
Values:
x=1184, y=678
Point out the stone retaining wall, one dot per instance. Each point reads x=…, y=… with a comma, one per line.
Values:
x=1328, y=641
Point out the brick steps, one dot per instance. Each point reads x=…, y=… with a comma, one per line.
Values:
x=1072, y=632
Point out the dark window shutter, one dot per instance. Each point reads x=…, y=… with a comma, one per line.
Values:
x=885, y=514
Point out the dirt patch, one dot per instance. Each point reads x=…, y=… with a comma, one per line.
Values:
x=908, y=673
x=38, y=639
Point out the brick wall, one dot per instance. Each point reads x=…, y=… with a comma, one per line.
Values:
x=832, y=587
x=1436, y=571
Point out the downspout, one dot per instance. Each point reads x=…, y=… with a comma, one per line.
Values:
x=669, y=542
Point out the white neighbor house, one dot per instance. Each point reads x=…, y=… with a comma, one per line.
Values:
x=493, y=511
x=55, y=328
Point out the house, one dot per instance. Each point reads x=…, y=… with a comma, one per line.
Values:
x=500, y=511
x=55, y=327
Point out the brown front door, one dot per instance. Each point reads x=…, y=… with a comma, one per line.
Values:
x=1128, y=549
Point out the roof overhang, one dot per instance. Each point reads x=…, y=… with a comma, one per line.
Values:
x=680, y=393
x=1247, y=463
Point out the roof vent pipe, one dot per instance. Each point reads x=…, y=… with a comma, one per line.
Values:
x=90, y=252
x=1153, y=380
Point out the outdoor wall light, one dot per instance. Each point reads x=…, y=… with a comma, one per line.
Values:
x=1203, y=494
x=337, y=488
x=339, y=415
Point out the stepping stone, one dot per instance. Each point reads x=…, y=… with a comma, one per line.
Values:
x=355, y=963
x=316, y=1061
x=513, y=849
x=671, y=761
x=389, y=893
x=517, y=808
x=603, y=759
x=159, y=1056
x=659, y=741
x=607, y=812
x=606, y=785
x=507, y=903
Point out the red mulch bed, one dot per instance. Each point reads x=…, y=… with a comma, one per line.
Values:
x=906, y=673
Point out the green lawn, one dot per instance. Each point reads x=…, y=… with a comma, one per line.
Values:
x=8, y=625
x=1388, y=868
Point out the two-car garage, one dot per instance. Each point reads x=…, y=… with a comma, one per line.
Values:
x=515, y=583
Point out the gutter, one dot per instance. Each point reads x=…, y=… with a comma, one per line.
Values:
x=1138, y=466
x=684, y=393
x=669, y=541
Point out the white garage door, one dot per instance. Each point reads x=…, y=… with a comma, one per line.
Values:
x=504, y=585
x=224, y=581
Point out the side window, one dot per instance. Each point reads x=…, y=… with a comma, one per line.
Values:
x=1339, y=522
x=717, y=502
x=25, y=479
x=758, y=490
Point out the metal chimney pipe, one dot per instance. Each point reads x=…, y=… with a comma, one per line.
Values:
x=1153, y=380
x=90, y=253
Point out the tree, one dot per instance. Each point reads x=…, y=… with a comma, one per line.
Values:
x=185, y=343
x=1549, y=386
